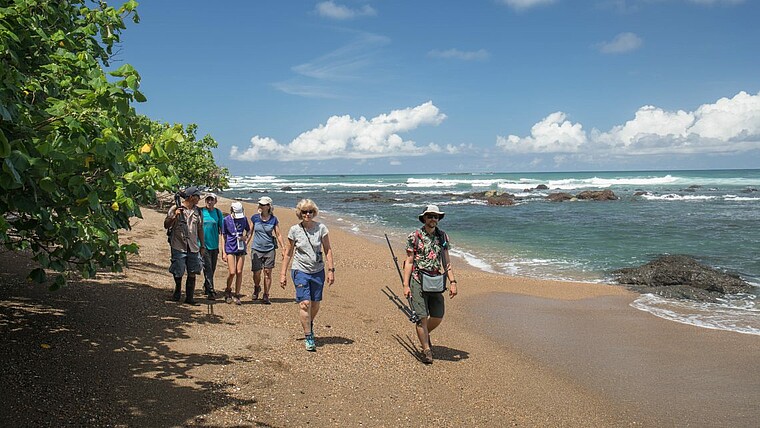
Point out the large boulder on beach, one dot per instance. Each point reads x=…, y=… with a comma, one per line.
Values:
x=680, y=276
x=597, y=195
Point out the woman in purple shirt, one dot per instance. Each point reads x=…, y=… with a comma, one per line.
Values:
x=237, y=234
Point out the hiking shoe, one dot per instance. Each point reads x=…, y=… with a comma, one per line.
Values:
x=191, y=302
x=211, y=295
x=266, y=299
x=309, y=343
x=228, y=297
x=256, y=291
x=427, y=356
x=237, y=301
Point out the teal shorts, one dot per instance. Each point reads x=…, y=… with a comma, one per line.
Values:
x=426, y=304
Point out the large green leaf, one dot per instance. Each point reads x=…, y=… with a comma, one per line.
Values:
x=5, y=146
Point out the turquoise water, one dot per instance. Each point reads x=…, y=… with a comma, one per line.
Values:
x=711, y=215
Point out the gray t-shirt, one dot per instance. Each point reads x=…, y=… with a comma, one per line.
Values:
x=307, y=251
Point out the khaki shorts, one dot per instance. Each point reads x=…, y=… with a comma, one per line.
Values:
x=426, y=304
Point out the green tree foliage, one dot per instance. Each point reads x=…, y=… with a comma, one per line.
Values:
x=193, y=161
x=76, y=158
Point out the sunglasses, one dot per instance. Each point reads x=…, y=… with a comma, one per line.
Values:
x=434, y=216
x=304, y=212
x=263, y=205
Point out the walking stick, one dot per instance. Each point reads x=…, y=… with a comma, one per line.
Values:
x=413, y=317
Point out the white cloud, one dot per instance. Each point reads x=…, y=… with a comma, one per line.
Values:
x=553, y=134
x=330, y=9
x=304, y=90
x=525, y=4
x=461, y=148
x=730, y=125
x=345, y=137
x=479, y=55
x=622, y=43
x=326, y=76
x=346, y=61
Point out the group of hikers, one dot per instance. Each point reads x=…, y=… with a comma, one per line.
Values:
x=197, y=235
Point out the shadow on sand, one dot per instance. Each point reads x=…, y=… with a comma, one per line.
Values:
x=96, y=354
x=439, y=352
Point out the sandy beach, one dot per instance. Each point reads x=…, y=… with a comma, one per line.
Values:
x=115, y=351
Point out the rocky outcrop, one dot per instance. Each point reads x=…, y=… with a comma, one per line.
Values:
x=371, y=197
x=588, y=195
x=494, y=197
x=502, y=200
x=679, y=276
x=597, y=195
x=559, y=197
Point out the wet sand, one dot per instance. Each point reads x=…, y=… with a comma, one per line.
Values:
x=680, y=375
x=511, y=352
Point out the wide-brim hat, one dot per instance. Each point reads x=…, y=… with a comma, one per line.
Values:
x=265, y=200
x=431, y=209
x=237, y=210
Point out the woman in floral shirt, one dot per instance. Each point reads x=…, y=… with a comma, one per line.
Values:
x=427, y=251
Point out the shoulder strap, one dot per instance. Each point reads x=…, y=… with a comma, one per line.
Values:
x=309, y=239
x=443, y=237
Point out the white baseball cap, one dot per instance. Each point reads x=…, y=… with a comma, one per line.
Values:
x=237, y=210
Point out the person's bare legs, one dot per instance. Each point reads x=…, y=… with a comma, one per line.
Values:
x=423, y=333
x=239, y=264
x=267, y=280
x=256, y=284
x=307, y=312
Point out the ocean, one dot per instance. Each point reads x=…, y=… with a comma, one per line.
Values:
x=712, y=215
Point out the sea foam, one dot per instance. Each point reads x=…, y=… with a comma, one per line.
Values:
x=738, y=314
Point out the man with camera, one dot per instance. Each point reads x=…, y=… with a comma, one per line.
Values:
x=184, y=223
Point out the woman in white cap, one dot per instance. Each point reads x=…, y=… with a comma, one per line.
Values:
x=266, y=239
x=426, y=269
x=237, y=235
x=307, y=241
x=212, y=229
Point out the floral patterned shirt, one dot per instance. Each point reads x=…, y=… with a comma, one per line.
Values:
x=427, y=251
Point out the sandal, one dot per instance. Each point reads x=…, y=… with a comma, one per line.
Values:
x=256, y=291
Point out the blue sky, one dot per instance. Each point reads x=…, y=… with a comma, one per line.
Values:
x=399, y=86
